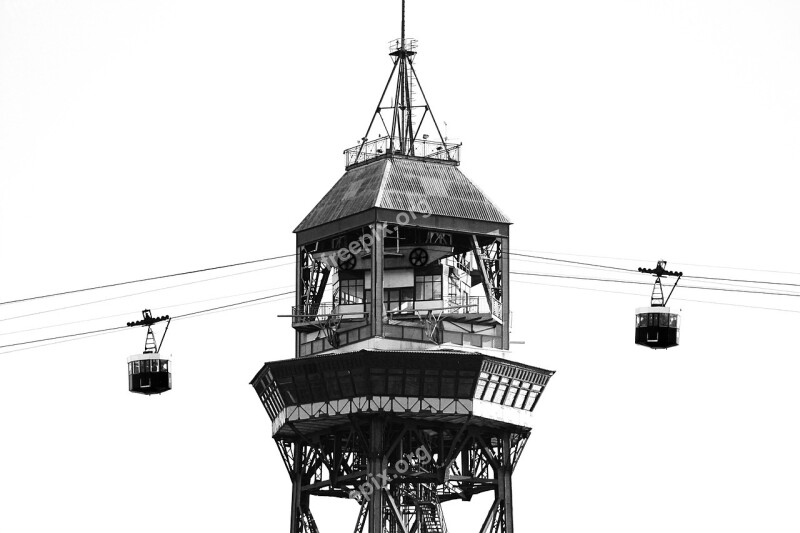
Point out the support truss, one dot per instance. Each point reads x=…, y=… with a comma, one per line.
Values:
x=313, y=279
x=400, y=471
x=489, y=262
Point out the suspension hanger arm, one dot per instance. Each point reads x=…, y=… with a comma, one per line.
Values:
x=163, y=335
x=673, y=288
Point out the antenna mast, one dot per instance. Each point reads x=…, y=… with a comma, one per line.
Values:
x=401, y=133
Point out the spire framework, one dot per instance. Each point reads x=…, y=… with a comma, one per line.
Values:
x=399, y=120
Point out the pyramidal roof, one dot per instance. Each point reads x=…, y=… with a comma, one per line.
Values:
x=403, y=184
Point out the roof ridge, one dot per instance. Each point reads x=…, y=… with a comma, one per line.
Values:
x=386, y=170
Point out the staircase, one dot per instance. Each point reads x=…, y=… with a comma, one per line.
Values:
x=430, y=518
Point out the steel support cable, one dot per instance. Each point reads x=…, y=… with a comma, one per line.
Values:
x=143, y=292
x=646, y=283
x=739, y=284
x=160, y=307
x=88, y=336
x=575, y=262
x=118, y=284
x=685, y=276
x=176, y=317
x=678, y=262
x=674, y=299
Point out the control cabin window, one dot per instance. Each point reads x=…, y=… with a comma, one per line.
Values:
x=397, y=299
x=350, y=291
x=428, y=287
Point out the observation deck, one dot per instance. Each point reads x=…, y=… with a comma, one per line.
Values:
x=386, y=147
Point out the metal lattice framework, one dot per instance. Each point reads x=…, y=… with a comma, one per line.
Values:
x=408, y=401
x=400, y=471
x=401, y=433
x=489, y=260
x=314, y=277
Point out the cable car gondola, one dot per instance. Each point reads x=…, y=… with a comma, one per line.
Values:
x=150, y=372
x=656, y=326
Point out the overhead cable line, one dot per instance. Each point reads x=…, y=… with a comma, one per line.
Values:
x=88, y=336
x=590, y=266
x=673, y=299
x=645, y=283
x=194, y=313
x=709, y=278
x=161, y=307
x=107, y=330
x=142, y=292
x=118, y=284
x=675, y=262
x=575, y=262
x=744, y=281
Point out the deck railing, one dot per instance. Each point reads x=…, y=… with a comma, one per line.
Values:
x=424, y=148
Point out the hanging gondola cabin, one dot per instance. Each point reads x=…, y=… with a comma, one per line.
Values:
x=149, y=373
x=657, y=328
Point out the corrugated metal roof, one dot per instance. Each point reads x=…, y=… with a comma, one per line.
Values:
x=355, y=192
x=404, y=184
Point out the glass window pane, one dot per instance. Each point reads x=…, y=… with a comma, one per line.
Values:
x=448, y=387
x=479, y=389
x=490, y=387
x=377, y=380
x=529, y=402
x=510, y=396
x=501, y=390
x=520, y=399
x=431, y=384
x=395, y=385
x=412, y=383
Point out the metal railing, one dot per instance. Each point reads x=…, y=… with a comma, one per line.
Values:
x=323, y=311
x=497, y=308
x=462, y=304
x=396, y=44
x=311, y=312
x=424, y=148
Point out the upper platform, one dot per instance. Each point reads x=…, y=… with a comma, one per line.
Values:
x=440, y=386
x=404, y=183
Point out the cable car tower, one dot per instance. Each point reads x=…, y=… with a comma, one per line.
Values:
x=150, y=372
x=402, y=395
x=656, y=327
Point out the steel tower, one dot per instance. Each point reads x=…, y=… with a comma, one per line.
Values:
x=401, y=395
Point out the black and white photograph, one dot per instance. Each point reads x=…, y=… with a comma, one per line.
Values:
x=399, y=266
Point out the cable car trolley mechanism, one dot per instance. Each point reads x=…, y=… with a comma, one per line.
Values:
x=656, y=327
x=150, y=372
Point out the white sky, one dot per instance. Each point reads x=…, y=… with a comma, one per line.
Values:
x=140, y=138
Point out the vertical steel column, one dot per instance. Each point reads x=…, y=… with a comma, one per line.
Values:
x=376, y=306
x=297, y=490
x=505, y=267
x=298, y=297
x=504, y=484
x=375, y=474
